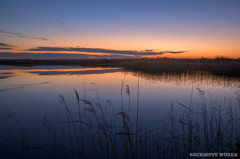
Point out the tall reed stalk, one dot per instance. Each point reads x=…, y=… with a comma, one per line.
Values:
x=209, y=126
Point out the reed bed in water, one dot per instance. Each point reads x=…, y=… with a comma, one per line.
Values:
x=218, y=65
x=97, y=130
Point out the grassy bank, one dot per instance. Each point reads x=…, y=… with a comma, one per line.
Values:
x=218, y=66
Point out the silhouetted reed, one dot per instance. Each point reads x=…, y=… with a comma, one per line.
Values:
x=211, y=126
x=97, y=130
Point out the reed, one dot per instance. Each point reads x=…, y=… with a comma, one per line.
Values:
x=96, y=130
x=218, y=65
x=111, y=140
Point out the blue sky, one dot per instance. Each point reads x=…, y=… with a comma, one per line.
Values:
x=199, y=26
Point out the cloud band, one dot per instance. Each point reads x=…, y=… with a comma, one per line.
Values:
x=109, y=51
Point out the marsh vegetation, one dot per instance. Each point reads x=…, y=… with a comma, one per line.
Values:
x=88, y=126
x=217, y=66
x=207, y=126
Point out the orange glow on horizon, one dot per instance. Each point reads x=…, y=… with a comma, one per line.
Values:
x=195, y=47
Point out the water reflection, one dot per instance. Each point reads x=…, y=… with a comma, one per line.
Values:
x=199, y=78
x=4, y=75
x=177, y=115
x=76, y=72
x=19, y=86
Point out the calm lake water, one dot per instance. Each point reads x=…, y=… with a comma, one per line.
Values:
x=28, y=94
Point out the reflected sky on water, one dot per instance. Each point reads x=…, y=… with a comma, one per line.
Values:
x=30, y=92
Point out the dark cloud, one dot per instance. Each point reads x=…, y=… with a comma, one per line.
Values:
x=13, y=34
x=99, y=50
x=5, y=48
x=6, y=45
x=6, y=73
x=9, y=55
x=175, y=52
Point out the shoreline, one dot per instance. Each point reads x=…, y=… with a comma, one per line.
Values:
x=217, y=66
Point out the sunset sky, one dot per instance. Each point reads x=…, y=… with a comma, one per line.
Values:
x=121, y=28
